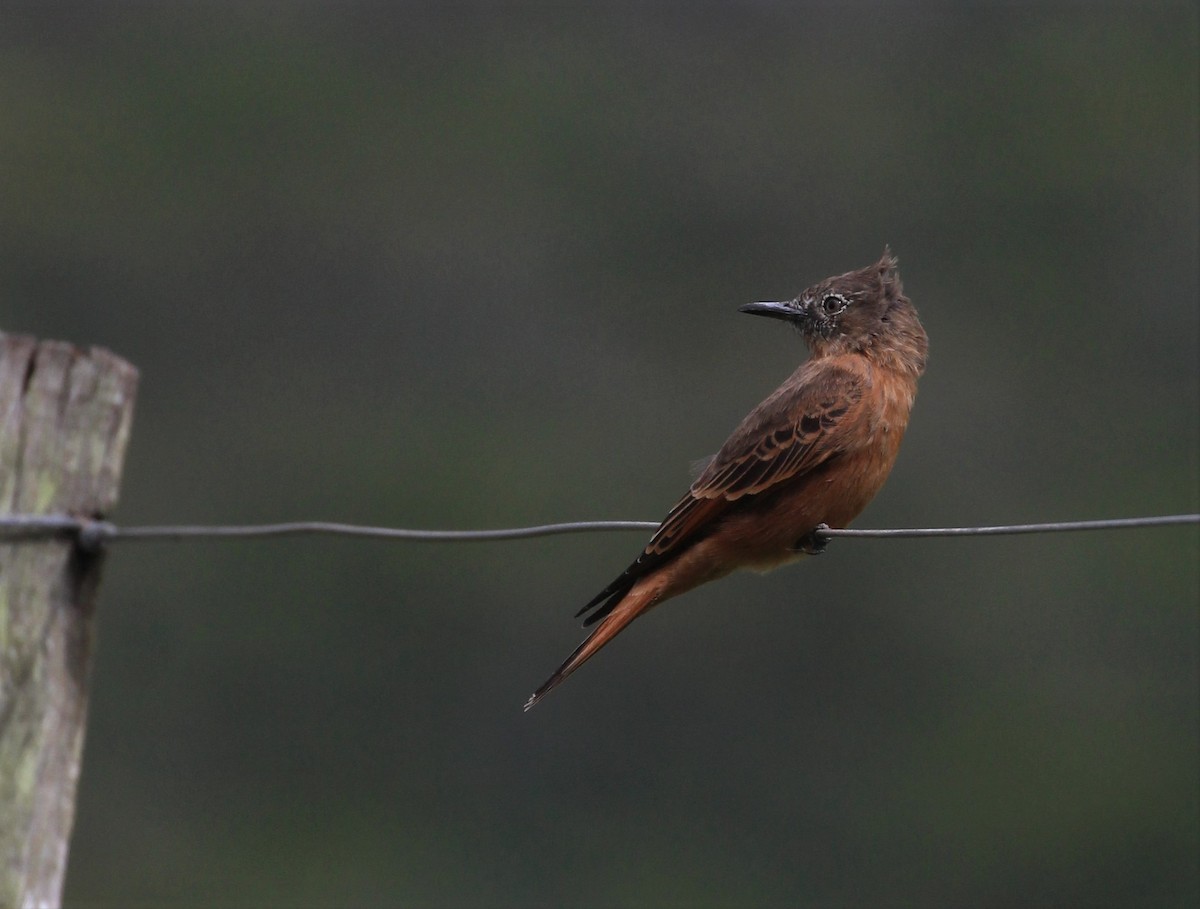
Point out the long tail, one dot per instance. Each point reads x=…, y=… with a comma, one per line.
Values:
x=643, y=595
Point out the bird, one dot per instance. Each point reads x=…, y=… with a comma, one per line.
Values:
x=809, y=457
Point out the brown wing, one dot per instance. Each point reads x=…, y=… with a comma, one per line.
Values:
x=799, y=427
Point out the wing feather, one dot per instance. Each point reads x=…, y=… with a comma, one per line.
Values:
x=797, y=429
x=801, y=426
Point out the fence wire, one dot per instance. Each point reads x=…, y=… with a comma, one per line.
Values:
x=93, y=534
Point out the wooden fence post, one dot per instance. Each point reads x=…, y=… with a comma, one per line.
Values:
x=65, y=417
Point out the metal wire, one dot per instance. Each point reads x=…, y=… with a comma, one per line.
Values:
x=1003, y=529
x=93, y=534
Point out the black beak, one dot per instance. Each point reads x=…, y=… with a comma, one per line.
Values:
x=789, y=310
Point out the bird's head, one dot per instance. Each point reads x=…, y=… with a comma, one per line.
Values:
x=862, y=311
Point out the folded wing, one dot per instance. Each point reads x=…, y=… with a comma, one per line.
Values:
x=800, y=427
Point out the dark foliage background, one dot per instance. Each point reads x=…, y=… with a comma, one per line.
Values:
x=477, y=265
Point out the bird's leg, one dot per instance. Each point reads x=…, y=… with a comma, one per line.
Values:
x=813, y=543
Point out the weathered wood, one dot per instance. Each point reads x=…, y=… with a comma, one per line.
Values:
x=65, y=417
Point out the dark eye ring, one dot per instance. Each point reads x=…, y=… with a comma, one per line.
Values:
x=833, y=304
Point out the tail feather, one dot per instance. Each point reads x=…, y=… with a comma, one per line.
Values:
x=610, y=596
x=619, y=615
x=612, y=593
x=615, y=592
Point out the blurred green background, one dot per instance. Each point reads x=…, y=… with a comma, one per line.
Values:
x=465, y=265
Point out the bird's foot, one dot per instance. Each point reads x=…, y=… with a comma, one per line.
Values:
x=813, y=542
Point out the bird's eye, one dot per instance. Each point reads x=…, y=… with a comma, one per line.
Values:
x=833, y=304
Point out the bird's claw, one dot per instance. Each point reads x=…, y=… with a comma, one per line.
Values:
x=813, y=542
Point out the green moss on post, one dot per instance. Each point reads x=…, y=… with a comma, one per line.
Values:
x=65, y=416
